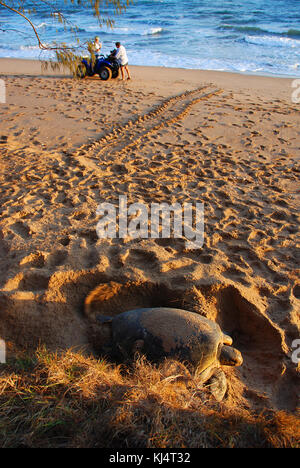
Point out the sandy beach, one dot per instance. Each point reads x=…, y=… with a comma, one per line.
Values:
x=169, y=135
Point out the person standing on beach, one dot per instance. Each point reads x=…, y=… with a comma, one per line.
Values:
x=97, y=47
x=122, y=58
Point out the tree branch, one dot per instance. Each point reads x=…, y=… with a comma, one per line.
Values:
x=41, y=45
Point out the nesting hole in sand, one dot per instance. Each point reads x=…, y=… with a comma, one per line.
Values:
x=69, y=302
x=61, y=312
x=114, y=298
x=253, y=333
x=250, y=329
x=261, y=342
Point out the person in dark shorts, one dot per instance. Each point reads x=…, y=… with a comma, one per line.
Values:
x=122, y=58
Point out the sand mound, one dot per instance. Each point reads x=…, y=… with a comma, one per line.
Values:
x=260, y=340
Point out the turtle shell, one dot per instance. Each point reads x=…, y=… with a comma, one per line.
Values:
x=167, y=332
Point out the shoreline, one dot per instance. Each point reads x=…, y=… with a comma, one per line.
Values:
x=4, y=61
x=179, y=79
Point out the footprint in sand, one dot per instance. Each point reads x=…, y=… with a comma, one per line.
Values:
x=21, y=229
x=116, y=259
x=34, y=282
x=296, y=291
x=35, y=260
x=90, y=235
x=145, y=258
x=176, y=244
x=57, y=258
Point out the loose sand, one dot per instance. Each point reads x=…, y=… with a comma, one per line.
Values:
x=229, y=141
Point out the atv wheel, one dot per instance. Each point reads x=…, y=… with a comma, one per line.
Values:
x=105, y=73
x=115, y=73
x=81, y=71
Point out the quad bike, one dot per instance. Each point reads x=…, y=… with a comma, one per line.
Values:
x=106, y=67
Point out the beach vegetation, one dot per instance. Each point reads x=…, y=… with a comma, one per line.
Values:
x=68, y=399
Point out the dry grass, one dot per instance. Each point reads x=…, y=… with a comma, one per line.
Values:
x=68, y=400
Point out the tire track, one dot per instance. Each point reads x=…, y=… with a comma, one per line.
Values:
x=131, y=134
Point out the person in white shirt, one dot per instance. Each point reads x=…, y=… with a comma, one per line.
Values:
x=97, y=47
x=122, y=58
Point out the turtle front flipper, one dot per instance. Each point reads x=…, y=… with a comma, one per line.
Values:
x=217, y=384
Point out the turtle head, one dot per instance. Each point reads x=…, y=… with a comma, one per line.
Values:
x=230, y=356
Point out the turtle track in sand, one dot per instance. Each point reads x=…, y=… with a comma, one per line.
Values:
x=131, y=134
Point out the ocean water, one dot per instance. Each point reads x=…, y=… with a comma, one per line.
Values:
x=255, y=36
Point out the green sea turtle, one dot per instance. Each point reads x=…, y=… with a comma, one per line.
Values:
x=166, y=332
